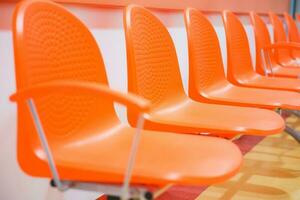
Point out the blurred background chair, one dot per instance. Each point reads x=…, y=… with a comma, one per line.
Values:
x=240, y=70
x=153, y=73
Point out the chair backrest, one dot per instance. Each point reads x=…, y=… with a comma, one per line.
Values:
x=293, y=33
x=239, y=62
x=278, y=28
x=51, y=44
x=262, y=39
x=153, y=70
x=279, y=34
x=205, y=59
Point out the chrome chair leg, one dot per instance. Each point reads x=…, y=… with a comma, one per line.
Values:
x=289, y=130
x=292, y=132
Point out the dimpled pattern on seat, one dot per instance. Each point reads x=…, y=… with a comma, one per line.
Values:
x=238, y=53
x=154, y=72
x=206, y=67
x=56, y=46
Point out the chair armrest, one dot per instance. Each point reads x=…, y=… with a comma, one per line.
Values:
x=283, y=45
x=135, y=102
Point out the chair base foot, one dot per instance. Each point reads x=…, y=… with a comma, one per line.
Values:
x=297, y=113
x=65, y=184
x=147, y=196
x=292, y=132
x=112, y=192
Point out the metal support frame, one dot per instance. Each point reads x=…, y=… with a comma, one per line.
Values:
x=45, y=145
x=292, y=132
x=112, y=191
x=115, y=191
x=294, y=112
x=266, y=61
x=132, y=157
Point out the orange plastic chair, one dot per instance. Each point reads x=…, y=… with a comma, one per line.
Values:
x=283, y=54
x=208, y=82
x=66, y=118
x=293, y=34
x=239, y=65
x=153, y=73
x=265, y=57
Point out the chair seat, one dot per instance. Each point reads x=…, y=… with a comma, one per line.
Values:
x=243, y=96
x=291, y=71
x=257, y=81
x=162, y=158
x=194, y=117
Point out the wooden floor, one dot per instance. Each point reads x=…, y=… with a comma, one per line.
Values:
x=271, y=170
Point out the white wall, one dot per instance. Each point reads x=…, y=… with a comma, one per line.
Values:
x=14, y=184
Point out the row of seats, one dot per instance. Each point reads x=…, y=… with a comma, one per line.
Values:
x=63, y=92
x=283, y=50
x=288, y=55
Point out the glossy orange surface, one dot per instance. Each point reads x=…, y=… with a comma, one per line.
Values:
x=239, y=65
x=206, y=75
x=153, y=73
x=59, y=65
